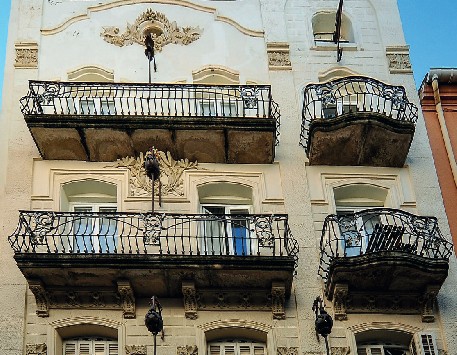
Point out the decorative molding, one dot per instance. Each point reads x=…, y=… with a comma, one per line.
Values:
x=428, y=303
x=187, y=350
x=398, y=58
x=118, y=3
x=105, y=298
x=234, y=300
x=363, y=327
x=135, y=350
x=171, y=176
x=127, y=298
x=278, y=56
x=282, y=350
x=26, y=55
x=68, y=322
x=340, y=350
x=278, y=299
x=163, y=32
x=41, y=298
x=340, y=300
x=36, y=349
x=235, y=323
x=190, y=300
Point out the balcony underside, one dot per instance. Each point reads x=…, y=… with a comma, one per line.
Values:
x=369, y=139
x=108, y=138
x=386, y=282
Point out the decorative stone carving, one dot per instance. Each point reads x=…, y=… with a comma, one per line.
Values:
x=135, y=350
x=36, y=349
x=26, y=55
x=340, y=350
x=340, y=300
x=428, y=304
x=187, y=350
x=233, y=300
x=104, y=298
x=282, y=350
x=41, y=298
x=278, y=56
x=190, y=300
x=127, y=298
x=398, y=58
x=442, y=352
x=163, y=31
x=171, y=174
x=278, y=299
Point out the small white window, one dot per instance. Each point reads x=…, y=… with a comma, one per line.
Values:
x=94, y=232
x=382, y=350
x=324, y=28
x=226, y=231
x=90, y=346
x=236, y=347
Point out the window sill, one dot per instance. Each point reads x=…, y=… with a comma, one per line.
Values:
x=332, y=47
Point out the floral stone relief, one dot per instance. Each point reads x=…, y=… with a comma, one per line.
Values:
x=162, y=30
x=171, y=176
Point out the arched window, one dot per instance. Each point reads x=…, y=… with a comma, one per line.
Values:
x=90, y=346
x=93, y=226
x=324, y=27
x=236, y=347
x=226, y=229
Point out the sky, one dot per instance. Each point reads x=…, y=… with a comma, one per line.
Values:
x=430, y=29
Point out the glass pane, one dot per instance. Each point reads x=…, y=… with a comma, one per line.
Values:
x=240, y=232
x=214, y=241
x=108, y=232
x=83, y=230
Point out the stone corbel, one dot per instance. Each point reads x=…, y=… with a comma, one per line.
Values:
x=190, y=299
x=278, y=56
x=278, y=300
x=340, y=296
x=36, y=349
x=187, y=350
x=428, y=304
x=41, y=298
x=127, y=298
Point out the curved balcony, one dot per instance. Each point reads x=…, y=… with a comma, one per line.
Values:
x=357, y=121
x=383, y=260
x=158, y=254
x=108, y=121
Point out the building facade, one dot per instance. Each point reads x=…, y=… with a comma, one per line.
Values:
x=293, y=162
x=437, y=97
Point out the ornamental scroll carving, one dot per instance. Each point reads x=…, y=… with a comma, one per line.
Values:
x=162, y=30
x=36, y=349
x=171, y=174
x=26, y=55
x=340, y=350
x=135, y=350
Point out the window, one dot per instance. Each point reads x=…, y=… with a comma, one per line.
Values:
x=382, y=350
x=96, y=232
x=90, y=346
x=218, y=107
x=226, y=230
x=236, y=347
x=324, y=28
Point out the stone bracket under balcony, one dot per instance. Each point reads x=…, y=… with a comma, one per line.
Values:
x=383, y=260
x=70, y=261
x=385, y=283
x=106, y=121
x=245, y=299
x=357, y=121
x=359, y=138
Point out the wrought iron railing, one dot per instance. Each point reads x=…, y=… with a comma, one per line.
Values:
x=380, y=230
x=154, y=100
x=41, y=232
x=355, y=94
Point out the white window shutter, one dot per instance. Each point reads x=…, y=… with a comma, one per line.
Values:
x=229, y=349
x=214, y=350
x=113, y=348
x=69, y=348
x=100, y=348
x=370, y=350
x=259, y=350
x=425, y=343
x=84, y=348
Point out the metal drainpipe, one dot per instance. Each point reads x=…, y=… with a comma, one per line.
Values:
x=444, y=130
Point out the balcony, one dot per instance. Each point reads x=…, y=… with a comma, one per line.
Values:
x=357, y=121
x=227, y=261
x=383, y=261
x=108, y=121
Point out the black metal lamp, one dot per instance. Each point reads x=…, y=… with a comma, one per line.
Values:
x=152, y=168
x=149, y=52
x=324, y=322
x=153, y=320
